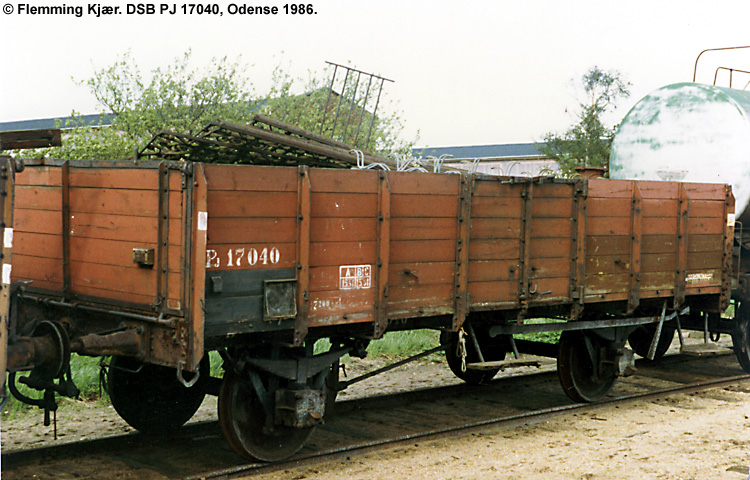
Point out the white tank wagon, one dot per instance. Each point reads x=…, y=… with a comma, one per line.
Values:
x=690, y=132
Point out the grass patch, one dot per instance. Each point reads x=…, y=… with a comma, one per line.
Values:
x=217, y=363
x=393, y=344
x=404, y=344
x=544, y=337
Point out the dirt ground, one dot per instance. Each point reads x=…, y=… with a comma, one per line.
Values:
x=701, y=436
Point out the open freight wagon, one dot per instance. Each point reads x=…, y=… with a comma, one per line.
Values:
x=157, y=263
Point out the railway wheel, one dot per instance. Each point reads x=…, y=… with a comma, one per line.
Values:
x=741, y=335
x=583, y=375
x=640, y=339
x=149, y=397
x=493, y=349
x=243, y=420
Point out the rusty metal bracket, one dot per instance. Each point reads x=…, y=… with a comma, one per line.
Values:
x=162, y=254
x=682, y=244
x=195, y=236
x=636, y=233
x=192, y=381
x=143, y=257
x=304, y=192
x=730, y=233
x=578, y=248
x=524, y=259
x=461, y=277
x=166, y=171
x=383, y=242
x=65, y=191
x=657, y=334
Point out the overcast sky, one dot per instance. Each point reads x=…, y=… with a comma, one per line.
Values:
x=466, y=73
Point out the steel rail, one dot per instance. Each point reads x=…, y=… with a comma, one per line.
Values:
x=529, y=418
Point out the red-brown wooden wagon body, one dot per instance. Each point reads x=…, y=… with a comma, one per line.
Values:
x=160, y=262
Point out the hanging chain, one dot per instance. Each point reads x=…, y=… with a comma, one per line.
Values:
x=462, y=349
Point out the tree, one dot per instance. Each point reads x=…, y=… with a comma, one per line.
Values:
x=587, y=143
x=177, y=97
x=184, y=100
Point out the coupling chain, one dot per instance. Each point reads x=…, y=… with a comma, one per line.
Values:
x=462, y=349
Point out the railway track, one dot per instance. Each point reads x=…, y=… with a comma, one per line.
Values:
x=361, y=425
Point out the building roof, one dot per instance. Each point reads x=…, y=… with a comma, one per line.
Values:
x=509, y=150
x=56, y=122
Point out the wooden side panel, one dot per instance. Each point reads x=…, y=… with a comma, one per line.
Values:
x=610, y=230
x=343, y=246
x=38, y=228
x=254, y=225
x=500, y=219
x=609, y=236
x=422, y=211
x=551, y=236
x=424, y=232
x=496, y=226
x=707, y=219
x=251, y=238
x=252, y=217
x=110, y=211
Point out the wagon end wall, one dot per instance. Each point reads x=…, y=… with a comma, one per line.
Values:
x=119, y=239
